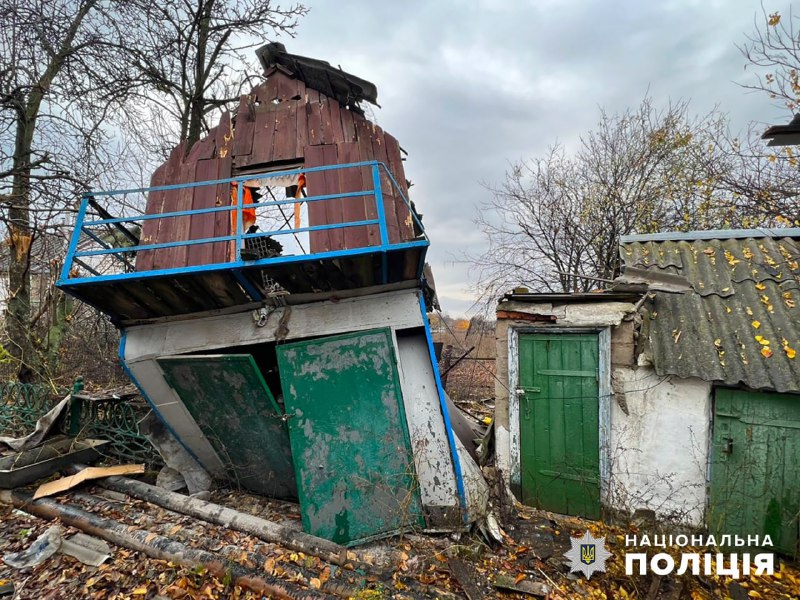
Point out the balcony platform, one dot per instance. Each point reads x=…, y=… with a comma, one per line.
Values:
x=106, y=277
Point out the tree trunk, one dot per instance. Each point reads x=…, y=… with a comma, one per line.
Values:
x=18, y=312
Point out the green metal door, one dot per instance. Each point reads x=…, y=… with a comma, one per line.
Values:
x=559, y=422
x=347, y=426
x=231, y=403
x=755, y=466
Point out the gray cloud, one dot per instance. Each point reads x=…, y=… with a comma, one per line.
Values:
x=468, y=87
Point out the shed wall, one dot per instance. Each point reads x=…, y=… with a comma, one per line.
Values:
x=657, y=453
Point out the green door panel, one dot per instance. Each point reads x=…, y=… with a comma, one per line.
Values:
x=349, y=436
x=755, y=466
x=231, y=403
x=559, y=422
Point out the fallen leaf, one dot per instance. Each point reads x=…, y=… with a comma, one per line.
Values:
x=760, y=286
x=756, y=324
x=766, y=352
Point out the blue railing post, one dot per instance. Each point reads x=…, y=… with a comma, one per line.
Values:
x=376, y=183
x=239, y=219
x=76, y=235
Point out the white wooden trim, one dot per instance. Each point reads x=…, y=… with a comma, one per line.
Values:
x=515, y=475
x=604, y=415
x=399, y=310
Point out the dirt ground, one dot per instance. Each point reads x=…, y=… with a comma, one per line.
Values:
x=410, y=566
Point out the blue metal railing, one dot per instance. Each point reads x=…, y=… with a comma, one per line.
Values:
x=99, y=248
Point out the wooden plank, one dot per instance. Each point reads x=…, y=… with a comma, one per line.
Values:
x=188, y=287
x=222, y=288
x=245, y=127
x=203, y=225
x=222, y=220
x=222, y=193
x=114, y=300
x=395, y=165
x=366, y=153
x=301, y=127
x=348, y=125
x=334, y=209
x=314, y=118
x=336, y=128
x=312, y=96
x=326, y=131
x=163, y=258
x=389, y=196
x=155, y=203
x=183, y=224
x=319, y=241
x=269, y=91
x=353, y=209
x=285, y=146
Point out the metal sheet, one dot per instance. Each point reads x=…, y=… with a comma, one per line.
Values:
x=349, y=436
x=231, y=403
x=25, y=467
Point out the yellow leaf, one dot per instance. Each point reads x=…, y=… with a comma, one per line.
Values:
x=519, y=578
x=140, y=591
x=315, y=583
x=790, y=352
x=774, y=19
x=766, y=352
x=756, y=324
x=748, y=310
x=760, y=286
x=762, y=340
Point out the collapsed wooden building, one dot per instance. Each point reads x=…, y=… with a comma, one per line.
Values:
x=274, y=309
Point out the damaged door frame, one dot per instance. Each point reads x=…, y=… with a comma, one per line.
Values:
x=604, y=399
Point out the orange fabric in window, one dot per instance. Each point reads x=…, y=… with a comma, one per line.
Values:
x=248, y=214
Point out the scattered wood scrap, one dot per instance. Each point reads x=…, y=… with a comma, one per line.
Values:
x=524, y=586
x=474, y=584
x=65, y=483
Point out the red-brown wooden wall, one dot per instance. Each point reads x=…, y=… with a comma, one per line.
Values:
x=279, y=123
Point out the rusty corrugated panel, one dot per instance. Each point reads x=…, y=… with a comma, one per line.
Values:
x=742, y=288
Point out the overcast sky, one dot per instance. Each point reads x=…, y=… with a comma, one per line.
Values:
x=468, y=87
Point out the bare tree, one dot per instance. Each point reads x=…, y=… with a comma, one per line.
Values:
x=554, y=224
x=773, y=48
x=62, y=73
x=200, y=68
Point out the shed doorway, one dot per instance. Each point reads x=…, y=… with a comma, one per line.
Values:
x=559, y=415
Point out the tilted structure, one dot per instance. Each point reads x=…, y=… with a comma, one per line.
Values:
x=302, y=369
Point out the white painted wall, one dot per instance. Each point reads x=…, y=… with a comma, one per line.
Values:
x=659, y=451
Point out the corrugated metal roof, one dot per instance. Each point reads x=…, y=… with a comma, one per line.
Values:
x=743, y=288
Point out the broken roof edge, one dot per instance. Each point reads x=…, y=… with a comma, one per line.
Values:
x=318, y=74
x=713, y=234
x=572, y=297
